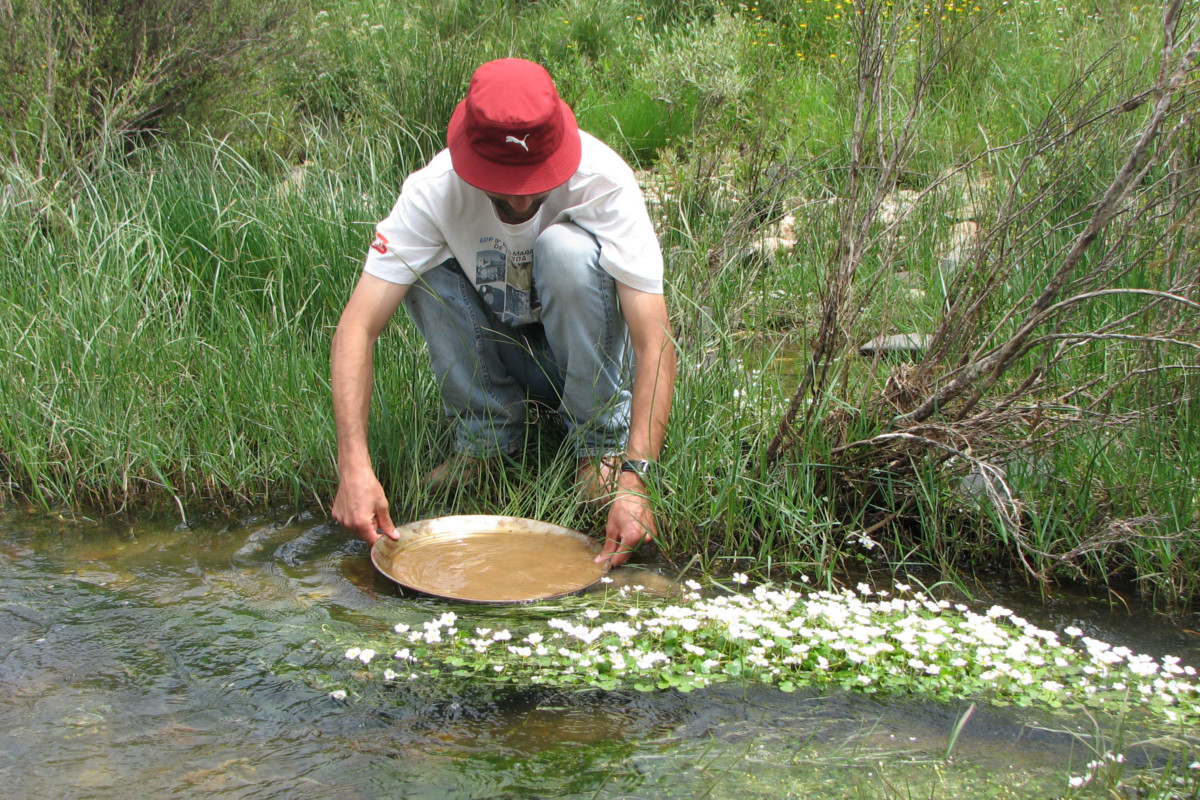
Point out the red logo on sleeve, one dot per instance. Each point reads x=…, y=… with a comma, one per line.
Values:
x=380, y=244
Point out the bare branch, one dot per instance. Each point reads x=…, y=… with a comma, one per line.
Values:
x=984, y=372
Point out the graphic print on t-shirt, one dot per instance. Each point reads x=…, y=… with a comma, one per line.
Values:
x=505, y=282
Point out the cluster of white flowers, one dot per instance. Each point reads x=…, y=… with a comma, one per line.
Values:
x=363, y=654
x=431, y=632
x=1096, y=768
x=867, y=639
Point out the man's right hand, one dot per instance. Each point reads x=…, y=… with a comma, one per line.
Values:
x=362, y=508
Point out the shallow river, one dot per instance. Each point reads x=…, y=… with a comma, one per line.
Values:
x=160, y=662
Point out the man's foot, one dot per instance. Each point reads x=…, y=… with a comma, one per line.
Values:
x=596, y=479
x=455, y=472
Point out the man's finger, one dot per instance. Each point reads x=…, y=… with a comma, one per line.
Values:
x=614, y=559
x=367, y=535
x=385, y=525
x=607, y=552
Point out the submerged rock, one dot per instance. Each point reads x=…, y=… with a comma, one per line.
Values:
x=640, y=579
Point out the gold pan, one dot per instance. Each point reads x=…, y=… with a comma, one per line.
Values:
x=488, y=559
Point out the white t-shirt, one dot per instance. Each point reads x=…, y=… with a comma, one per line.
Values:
x=440, y=216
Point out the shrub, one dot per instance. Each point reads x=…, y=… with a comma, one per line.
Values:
x=85, y=77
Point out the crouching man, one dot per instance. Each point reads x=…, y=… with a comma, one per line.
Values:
x=525, y=256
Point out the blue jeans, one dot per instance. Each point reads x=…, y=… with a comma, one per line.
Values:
x=575, y=360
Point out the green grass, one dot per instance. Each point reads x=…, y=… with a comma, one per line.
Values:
x=168, y=308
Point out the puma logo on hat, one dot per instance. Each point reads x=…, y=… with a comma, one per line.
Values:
x=515, y=140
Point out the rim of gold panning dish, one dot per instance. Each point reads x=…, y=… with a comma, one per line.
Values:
x=488, y=559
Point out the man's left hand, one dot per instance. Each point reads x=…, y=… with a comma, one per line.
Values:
x=630, y=522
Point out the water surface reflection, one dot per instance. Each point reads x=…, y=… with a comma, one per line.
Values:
x=194, y=663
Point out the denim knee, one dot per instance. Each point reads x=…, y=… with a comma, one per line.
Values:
x=586, y=336
x=566, y=262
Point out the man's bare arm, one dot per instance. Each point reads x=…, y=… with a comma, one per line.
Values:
x=630, y=518
x=360, y=504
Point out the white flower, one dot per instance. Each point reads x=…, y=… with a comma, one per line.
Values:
x=403, y=654
x=865, y=541
x=400, y=627
x=647, y=660
x=352, y=653
x=591, y=613
x=338, y=694
x=389, y=674
x=739, y=578
x=366, y=655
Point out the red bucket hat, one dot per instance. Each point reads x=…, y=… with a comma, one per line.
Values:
x=513, y=134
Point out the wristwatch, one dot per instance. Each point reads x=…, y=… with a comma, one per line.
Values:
x=638, y=466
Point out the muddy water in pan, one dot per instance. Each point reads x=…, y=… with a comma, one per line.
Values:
x=489, y=559
x=198, y=663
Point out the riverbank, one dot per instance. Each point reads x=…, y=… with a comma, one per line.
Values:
x=168, y=305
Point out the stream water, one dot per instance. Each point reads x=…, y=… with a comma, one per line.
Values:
x=154, y=661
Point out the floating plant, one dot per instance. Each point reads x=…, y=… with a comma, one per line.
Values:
x=865, y=641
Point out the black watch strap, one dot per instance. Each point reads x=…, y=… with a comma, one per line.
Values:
x=638, y=466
